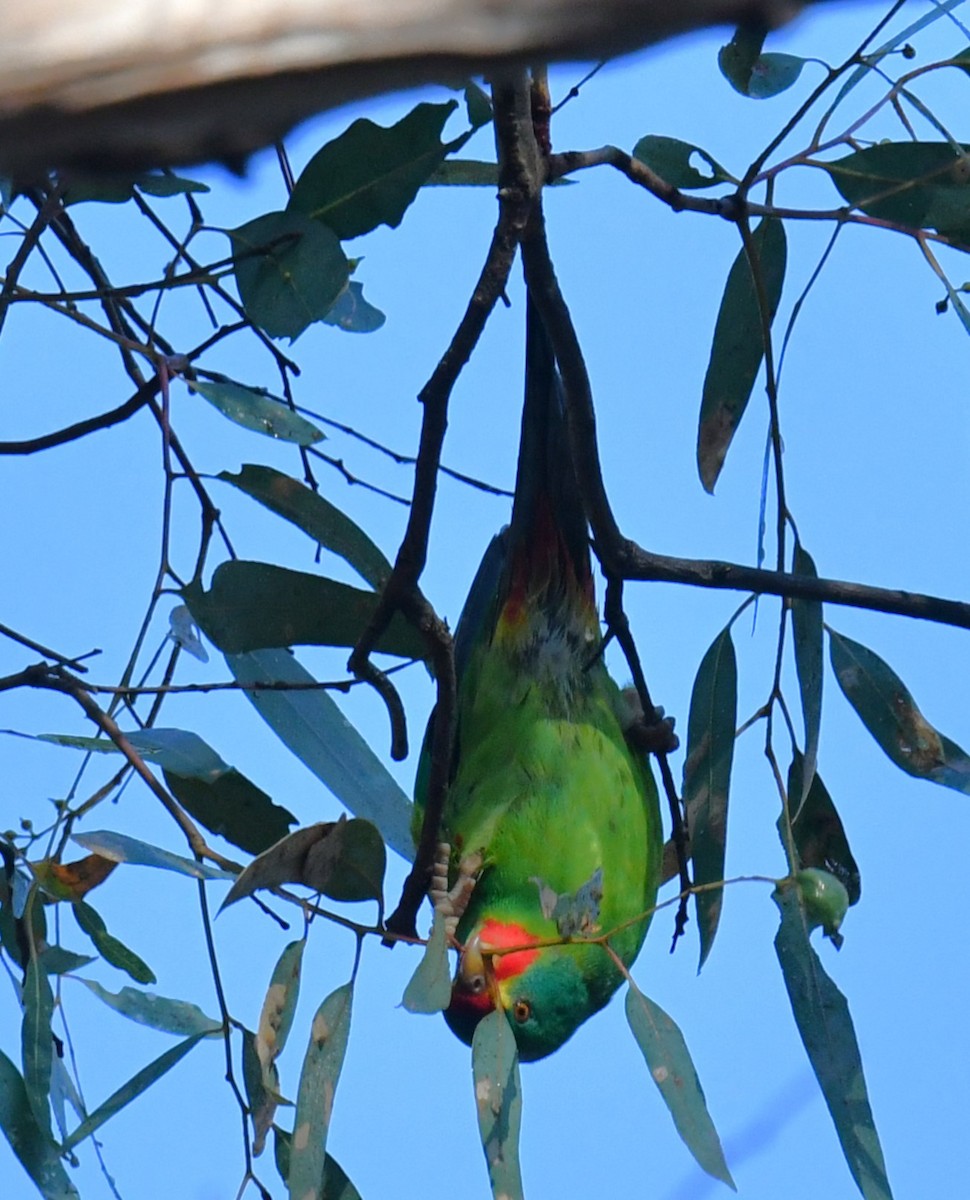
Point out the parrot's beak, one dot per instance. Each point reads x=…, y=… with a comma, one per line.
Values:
x=471, y=989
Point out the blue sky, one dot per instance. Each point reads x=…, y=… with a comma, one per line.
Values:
x=875, y=422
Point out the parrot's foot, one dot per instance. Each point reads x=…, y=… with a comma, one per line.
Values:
x=452, y=902
x=650, y=734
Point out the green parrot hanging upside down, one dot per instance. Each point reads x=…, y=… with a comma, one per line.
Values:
x=551, y=827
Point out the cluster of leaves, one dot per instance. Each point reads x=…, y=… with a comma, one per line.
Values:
x=290, y=270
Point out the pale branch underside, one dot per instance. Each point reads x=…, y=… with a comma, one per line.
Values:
x=99, y=83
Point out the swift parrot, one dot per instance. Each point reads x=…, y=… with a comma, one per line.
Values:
x=551, y=824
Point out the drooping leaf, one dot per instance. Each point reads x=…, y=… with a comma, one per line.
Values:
x=233, y=807
x=475, y=172
x=182, y=630
x=37, y=1041
x=132, y=1089
x=370, y=174
x=289, y=271
x=310, y=723
x=498, y=1094
x=826, y=1030
x=352, y=313
x=342, y=859
x=116, y=189
x=429, y=988
x=922, y=185
x=575, y=913
x=15, y=915
x=279, y=1005
x=262, y=1100
x=110, y=949
x=817, y=831
x=33, y=1146
x=158, y=1012
x=888, y=710
x=64, y=1092
x=738, y=347
x=807, y=627
x=753, y=73
x=316, y=516
x=72, y=881
x=707, y=776
x=672, y=159
x=257, y=410
x=314, y=1104
x=55, y=960
x=336, y=1185
x=478, y=105
x=257, y=606
x=121, y=848
x=672, y=1070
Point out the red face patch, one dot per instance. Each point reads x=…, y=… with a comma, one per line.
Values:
x=496, y=935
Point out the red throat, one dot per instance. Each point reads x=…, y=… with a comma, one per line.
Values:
x=495, y=935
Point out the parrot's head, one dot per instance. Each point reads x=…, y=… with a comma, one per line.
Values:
x=542, y=990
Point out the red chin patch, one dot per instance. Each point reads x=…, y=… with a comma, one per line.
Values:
x=496, y=935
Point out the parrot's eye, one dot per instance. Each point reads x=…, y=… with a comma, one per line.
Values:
x=522, y=1011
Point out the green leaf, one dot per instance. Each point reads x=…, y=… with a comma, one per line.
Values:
x=289, y=271
x=671, y=160
x=672, y=1070
x=34, y=1147
x=825, y=1026
x=922, y=185
x=478, y=105
x=707, y=776
x=343, y=859
x=55, y=960
x=807, y=626
x=817, y=831
x=116, y=189
x=888, y=710
x=158, y=1012
x=464, y=172
x=262, y=1092
x=279, y=1006
x=110, y=949
x=314, y=1104
x=317, y=517
x=352, y=313
x=121, y=848
x=370, y=174
x=498, y=1094
x=738, y=346
x=314, y=728
x=336, y=1185
x=429, y=988
x=753, y=73
x=132, y=1089
x=37, y=1041
x=258, y=606
x=234, y=808
x=256, y=409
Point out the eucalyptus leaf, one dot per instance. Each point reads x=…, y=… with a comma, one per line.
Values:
x=352, y=313
x=498, y=1095
x=809, y=657
x=817, y=831
x=314, y=1104
x=672, y=1070
x=289, y=269
x=738, y=347
x=707, y=776
x=369, y=175
x=232, y=807
x=671, y=159
x=887, y=709
x=429, y=988
x=752, y=72
x=121, y=848
x=311, y=724
x=316, y=516
x=823, y=1020
x=108, y=946
x=129, y=1091
x=37, y=1041
x=279, y=1006
x=257, y=410
x=158, y=1012
x=258, y=606
x=30, y=1142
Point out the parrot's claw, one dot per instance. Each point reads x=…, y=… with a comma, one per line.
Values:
x=452, y=902
x=653, y=734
